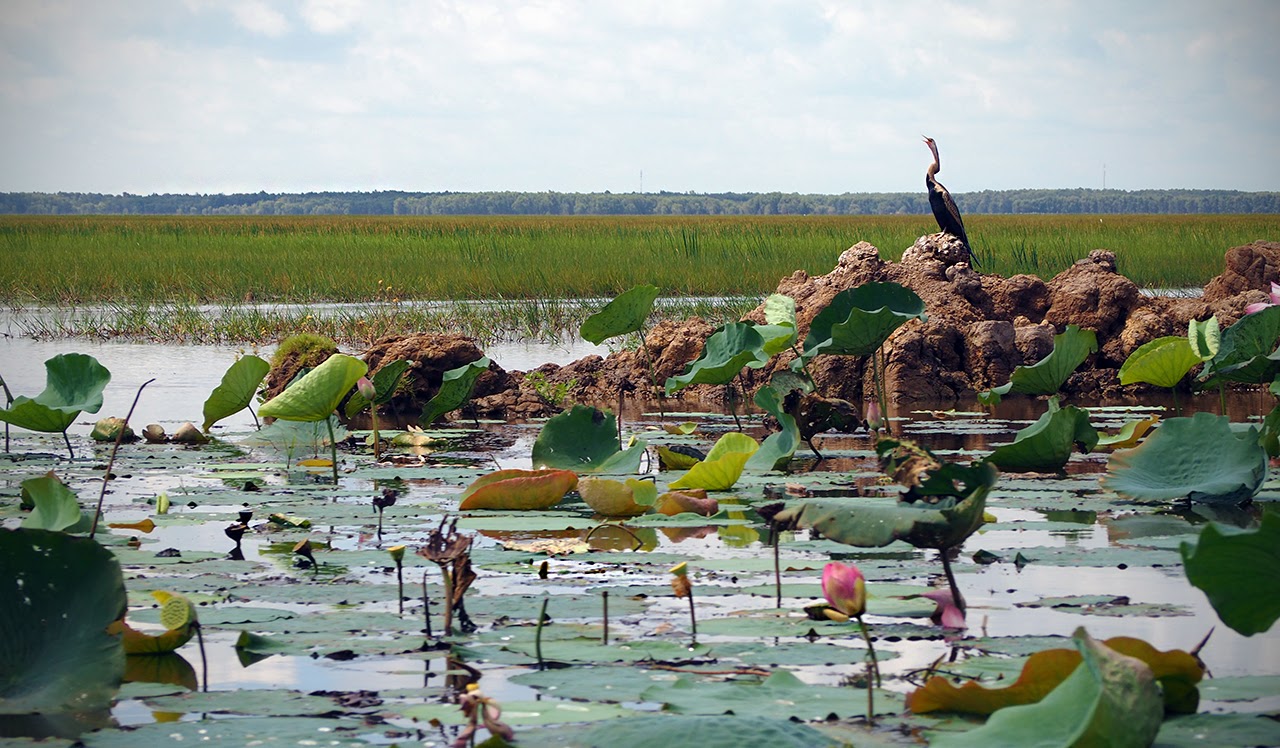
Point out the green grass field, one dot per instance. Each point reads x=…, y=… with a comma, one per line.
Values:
x=126, y=259
x=534, y=277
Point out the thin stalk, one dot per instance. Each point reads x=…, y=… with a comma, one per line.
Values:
x=537, y=635
x=448, y=599
x=333, y=449
x=1177, y=409
x=873, y=668
x=426, y=608
x=8, y=400
x=256, y=425
x=377, y=444
x=204, y=661
x=693, y=619
x=951, y=580
x=604, y=596
x=732, y=397
x=97, y=512
x=400, y=586
x=67, y=439
x=777, y=566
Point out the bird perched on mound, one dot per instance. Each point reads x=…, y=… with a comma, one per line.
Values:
x=944, y=208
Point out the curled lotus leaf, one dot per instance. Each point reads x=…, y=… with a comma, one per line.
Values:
x=1045, y=446
x=1162, y=362
x=691, y=500
x=723, y=465
x=1177, y=671
x=74, y=383
x=54, y=506
x=618, y=498
x=518, y=489
x=1249, y=350
x=385, y=381
x=728, y=349
x=582, y=439
x=858, y=320
x=177, y=615
x=455, y=389
x=1129, y=435
x=316, y=395
x=625, y=314
x=1198, y=457
x=1239, y=571
x=1070, y=348
x=234, y=393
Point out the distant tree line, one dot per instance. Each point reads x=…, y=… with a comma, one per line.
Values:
x=631, y=203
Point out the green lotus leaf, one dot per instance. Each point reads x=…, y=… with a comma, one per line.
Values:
x=1269, y=437
x=61, y=593
x=872, y=522
x=385, y=381
x=728, y=349
x=673, y=460
x=615, y=498
x=1110, y=699
x=780, y=309
x=1178, y=673
x=518, y=489
x=858, y=320
x=1249, y=350
x=1205, y=338
x=56, y=506
x=625, y=314
x=723, y=465
x=625, y=462
x=777, y=448
x=1239, y=571
x=1129, y=434
x=705, y=731
x=1162, y=362
x=1070, y=349
x=455, y=390
x=316, y=395
x=581, y=438
x=74, y=383
x=1199, y=457
x=1045, y=446
x=234, y=393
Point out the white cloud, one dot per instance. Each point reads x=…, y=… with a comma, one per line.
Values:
x=260, y=18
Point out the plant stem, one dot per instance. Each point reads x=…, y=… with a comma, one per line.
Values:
x=604, y=595
x=951, y=580
x=873, y=668
x=426, y=608
x=204, y=661
x=777, y=566
x=8, y=400
x=400, y=585
x=537, y=635
x=448, y=599
x=97, y=512
x=333, y=449
x=377, y=444
x=693, y=619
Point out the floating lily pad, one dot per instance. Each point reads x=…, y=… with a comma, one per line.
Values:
x=518, y=489
x=1200, y=458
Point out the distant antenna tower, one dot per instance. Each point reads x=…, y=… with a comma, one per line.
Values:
x=642, y=181
x=1104, y=176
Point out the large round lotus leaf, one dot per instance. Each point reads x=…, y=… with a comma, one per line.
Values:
x=615, y=498
x=858, y=320
x=718, y=731
x=455, y=390
x=1070, y=349
x=1199, y=457
x=317, y=394
x=518, y=489
x=580, y=439
x=73, y=384
x=1239, y=571
x=1247, y=350
x=627, y=313
x=1162, y=362
x=60, y=594
x=236, y=389
x=726, y=352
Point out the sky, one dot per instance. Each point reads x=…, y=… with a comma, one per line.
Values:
x=808, y=96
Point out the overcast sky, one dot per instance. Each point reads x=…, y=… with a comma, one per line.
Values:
x=818, y=96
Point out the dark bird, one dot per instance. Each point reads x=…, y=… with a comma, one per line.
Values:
x=944, y=208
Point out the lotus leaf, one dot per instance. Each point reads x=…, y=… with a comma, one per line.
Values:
x=1070, y=349
x=730, y=348
x=1045, y=446
x=1199, y=457
x=1269, y=437
x=1162, y=362
x=858, y=320
x=625, y=314
x=518, y=489
x=385, y=381
x=1129, y=435
x=455, y=390
x=626, y=462
x=56, y=506
x=705, y=731
x=615, y=498
x=781, y=695
x=693, y=500
x=316, y=395
x=60, y=592
x=777, y=449
x=1110, y=699
x=670, y=459
x=581, y=438
x=1177, y=671
x=1205, y=338
x=1248, y=351
x=73, y=384
x=1239, y=571
x=875, y=522
x=234, y=393
x=723, y=466
x=177, y=615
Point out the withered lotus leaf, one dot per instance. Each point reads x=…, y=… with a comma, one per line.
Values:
x=518, y=489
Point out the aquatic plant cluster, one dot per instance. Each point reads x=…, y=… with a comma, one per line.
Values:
x=556, y=578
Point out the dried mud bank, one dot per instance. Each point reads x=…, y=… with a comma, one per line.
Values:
x=979, y=328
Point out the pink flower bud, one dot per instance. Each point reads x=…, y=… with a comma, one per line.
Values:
x=366, y=389
x=875, y=419
x=845, y=588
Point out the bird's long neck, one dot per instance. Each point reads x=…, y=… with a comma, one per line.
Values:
x=935, y=167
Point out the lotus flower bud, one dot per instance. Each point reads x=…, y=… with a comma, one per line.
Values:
x=875, y=419
x=845, y=588
x=397, y=553
x=366, y=388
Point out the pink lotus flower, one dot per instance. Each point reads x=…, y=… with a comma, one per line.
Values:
x=845, y=588
x=948, y=614
x=366, y=388
x=1259, y=306
x=875, y=419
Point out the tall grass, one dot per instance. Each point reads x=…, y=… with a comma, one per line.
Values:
x=150, y=259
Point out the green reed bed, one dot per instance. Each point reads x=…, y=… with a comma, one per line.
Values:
x=151, y=259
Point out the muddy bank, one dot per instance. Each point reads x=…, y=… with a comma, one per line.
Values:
x=979, y=328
